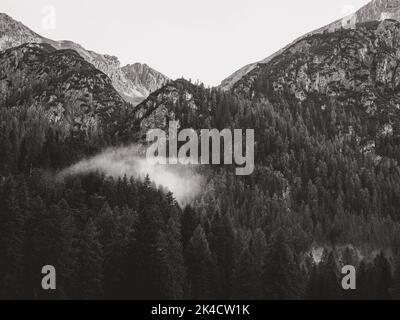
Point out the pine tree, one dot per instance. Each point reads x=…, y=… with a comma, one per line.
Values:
x=189, y=224
x=170, y=258
x=245, y=278
x=258, y=249
x=281, y=277
x=222, y=245
x=200, y=265
x=382, y=276
x=90, y=263
x=12, y=238
x=329, y=271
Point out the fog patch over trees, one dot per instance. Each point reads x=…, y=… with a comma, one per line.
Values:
x=181, y=180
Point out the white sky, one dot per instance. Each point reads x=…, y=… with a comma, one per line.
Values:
x=198, y=39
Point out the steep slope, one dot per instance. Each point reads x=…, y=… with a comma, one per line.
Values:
x=375, y=10
x=145, y=79
x=355, y=70
x=60, y=86
x=13, y=33
x=379, y=10
x=169, y=103
x=345, y=83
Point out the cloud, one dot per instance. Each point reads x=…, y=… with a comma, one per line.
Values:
x=183, y=181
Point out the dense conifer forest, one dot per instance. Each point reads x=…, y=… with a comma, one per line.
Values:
x=317, y=201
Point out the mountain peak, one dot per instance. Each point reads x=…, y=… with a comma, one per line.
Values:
x=69, y=91
x=14, y=33
x=133, y=88
x=5, y=17
x=144, y=77
x=376, y=10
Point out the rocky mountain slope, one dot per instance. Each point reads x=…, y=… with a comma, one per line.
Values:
x=144, y=78
x=375, y=10
x=166, y=104
x=14, y=33
x=357, y=68
x=63, y=89
x=335, y=77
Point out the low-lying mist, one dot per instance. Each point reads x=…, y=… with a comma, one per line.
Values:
x=181, y=180
x=359, y=254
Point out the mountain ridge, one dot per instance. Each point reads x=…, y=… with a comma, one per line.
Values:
x=347, y=74
x=14, y=33
x=61, y=87
x=374, y=10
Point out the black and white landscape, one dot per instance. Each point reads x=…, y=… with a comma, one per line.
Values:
x=76, y=192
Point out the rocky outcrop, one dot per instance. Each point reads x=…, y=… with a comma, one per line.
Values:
x=379, y=10
x=14, y=33
x=145, y=79
x=164, y=105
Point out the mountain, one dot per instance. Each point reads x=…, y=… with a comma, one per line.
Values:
x=326, y=117
x=356, y=70
x=169, y=103
x=347, y=81
x=63, y=89
x=325, y=191
x=378, y=10
x=14, y=33
x=375, y=10
x=144, y=78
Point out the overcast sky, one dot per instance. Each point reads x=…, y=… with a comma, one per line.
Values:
x=197, y=39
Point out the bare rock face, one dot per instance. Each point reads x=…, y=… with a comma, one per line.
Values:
x=14, y=33
x=376, y=10
x=145, y=79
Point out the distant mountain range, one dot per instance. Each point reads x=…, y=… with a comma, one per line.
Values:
x=133, y=82
x=375, y=10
